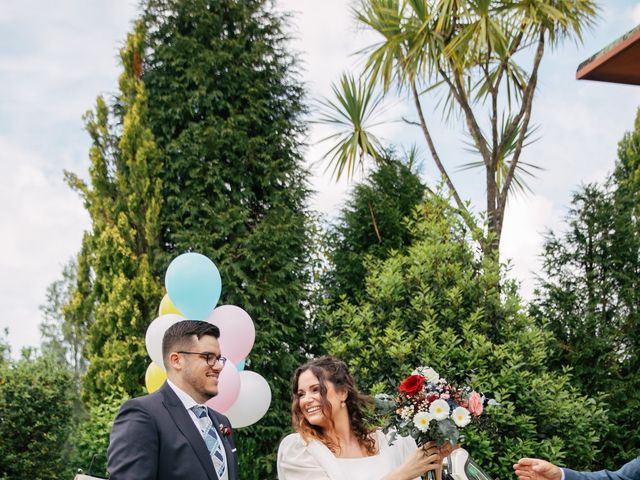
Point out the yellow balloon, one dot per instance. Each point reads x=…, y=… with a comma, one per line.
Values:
x=154, y=377
x=167, y=306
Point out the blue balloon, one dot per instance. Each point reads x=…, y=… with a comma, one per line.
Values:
x=193, y=284
x=240, y=365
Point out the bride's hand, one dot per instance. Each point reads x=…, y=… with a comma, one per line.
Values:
x=423, y=459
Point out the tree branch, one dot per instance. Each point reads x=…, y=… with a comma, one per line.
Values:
x=432, y=148
x=474, y=129
x=527, y=104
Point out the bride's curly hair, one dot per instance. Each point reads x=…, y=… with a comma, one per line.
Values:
x=330, y=369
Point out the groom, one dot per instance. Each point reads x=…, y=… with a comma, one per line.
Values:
x=170, y=434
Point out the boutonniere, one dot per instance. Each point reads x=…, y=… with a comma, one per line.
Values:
x=226, y=431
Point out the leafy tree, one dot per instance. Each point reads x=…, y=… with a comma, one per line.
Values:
x=425, y=306
x=117, y=291
x=225, y=109
x=35, y=418
x=474, y=55
x=90, y=436
x=62, y=338
x=588, y=296
x=371, y=224
x=5, y=348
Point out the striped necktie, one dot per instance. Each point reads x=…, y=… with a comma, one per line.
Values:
x=211, y=438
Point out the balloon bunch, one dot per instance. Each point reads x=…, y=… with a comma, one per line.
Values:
x=193, y=289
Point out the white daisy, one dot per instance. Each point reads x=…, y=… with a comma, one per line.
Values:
x=461, y=416
x=439, y=409
x=421, y=421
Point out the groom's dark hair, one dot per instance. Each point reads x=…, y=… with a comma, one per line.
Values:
x=179, y=336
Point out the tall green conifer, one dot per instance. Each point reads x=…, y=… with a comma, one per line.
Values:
x=117, y=291
x=371, y=225
x=590, y=296
x=225, y=108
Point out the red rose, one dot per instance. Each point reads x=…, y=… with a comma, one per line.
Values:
x=412, y=385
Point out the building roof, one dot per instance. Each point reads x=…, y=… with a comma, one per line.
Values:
x=618, y=62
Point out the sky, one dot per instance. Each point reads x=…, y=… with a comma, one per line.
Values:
x=56, y=57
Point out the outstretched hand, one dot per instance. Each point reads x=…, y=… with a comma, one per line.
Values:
x=536, y=469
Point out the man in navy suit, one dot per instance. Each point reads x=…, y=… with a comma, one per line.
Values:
x=170, y=434
x=536, y=469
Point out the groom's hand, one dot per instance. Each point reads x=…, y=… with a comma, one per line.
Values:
x=536, y=469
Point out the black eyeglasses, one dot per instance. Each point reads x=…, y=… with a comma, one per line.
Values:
x=211, y=358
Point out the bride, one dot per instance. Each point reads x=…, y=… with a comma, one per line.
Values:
x=332, y=441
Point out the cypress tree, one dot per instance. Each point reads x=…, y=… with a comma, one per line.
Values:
x=225, y=108
x=371, y=225
x=117, y=293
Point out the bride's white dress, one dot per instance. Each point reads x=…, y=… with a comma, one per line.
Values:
x=298, y=460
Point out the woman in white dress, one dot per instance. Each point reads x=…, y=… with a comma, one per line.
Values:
x=332, y=441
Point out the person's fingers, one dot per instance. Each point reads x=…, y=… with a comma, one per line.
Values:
x=431, y=467
x=431, y=458
x=524, y=475
x=430, y=449
x=523, y=470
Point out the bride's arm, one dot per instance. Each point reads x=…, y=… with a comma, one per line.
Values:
x=296, y=463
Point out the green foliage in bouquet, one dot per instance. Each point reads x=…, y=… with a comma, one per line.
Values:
x=437, y=303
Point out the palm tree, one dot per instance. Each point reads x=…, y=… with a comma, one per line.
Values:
x=469, y=51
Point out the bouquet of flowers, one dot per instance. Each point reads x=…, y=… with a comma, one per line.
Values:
x=429, y=408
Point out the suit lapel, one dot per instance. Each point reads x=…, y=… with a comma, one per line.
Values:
x=186, y=426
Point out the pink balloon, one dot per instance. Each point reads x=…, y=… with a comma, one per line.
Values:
x=237, y=332
x=228, y=388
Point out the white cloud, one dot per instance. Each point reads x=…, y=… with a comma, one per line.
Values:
x=527, y=219
x=55, y=58
x=43, y=222
x=635, y=14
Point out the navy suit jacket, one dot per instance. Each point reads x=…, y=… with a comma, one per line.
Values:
x=154, y=438
x=629, y=471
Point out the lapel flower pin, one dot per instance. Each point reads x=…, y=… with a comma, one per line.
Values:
x=226, y=431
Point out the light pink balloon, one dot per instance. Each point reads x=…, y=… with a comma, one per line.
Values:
x=228, y=388
x=237, y=332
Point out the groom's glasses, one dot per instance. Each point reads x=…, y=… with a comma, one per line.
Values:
x=211, y=358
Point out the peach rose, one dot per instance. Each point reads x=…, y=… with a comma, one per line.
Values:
x=475, y=404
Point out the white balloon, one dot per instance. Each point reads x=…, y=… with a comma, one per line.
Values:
x=155, y=332
x=253, y=401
